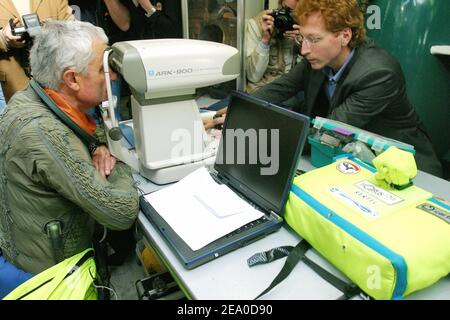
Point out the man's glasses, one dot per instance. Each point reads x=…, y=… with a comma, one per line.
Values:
x=309, y=41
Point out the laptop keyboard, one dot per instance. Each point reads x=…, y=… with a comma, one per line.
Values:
x=258, y=221
x=247, y=226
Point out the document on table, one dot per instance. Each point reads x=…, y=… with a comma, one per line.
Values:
x=200, y=210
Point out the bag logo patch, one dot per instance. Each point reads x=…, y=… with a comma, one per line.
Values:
x=379, y=193
x=343, y=197
x=435, y=211
x=348, y=167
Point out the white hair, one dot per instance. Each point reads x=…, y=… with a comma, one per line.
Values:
x=61, y=45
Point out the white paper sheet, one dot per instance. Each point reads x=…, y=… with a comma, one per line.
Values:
x=200, y=210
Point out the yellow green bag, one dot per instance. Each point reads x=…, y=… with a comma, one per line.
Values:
x=389, y=242
x=71, y=279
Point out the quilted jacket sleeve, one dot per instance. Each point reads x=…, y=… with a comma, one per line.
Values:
x=62, y=162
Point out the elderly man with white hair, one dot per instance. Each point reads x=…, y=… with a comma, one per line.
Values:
x=51, y=174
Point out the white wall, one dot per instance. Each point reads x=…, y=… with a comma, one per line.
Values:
x=253, y=7
x=273, y=4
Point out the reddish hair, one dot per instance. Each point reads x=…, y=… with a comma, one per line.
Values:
x=337, y=15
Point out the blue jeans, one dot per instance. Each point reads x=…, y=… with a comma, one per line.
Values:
x=11, y=277
x=2, y=100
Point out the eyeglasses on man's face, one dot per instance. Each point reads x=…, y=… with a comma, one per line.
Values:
x=309, y=41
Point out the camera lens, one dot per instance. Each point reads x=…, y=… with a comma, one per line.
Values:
x=283, y=20
x=18, y=31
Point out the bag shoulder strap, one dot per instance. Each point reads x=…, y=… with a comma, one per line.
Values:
x=294, y=255
x=293, y=258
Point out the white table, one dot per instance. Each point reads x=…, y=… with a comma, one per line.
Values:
x=229, y=277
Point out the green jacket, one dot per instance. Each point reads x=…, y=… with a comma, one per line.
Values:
x=46, y=174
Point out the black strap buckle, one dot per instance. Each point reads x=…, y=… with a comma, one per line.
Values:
x=351, y=290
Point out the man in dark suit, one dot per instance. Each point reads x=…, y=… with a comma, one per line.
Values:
x=346, y=77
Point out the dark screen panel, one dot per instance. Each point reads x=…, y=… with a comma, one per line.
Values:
x=260, y=146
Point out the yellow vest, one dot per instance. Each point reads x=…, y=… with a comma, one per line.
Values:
x=71, y=279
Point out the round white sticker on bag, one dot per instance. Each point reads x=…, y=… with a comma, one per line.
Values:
x=348, y=167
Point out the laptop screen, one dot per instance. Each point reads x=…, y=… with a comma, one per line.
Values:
x=258, y=152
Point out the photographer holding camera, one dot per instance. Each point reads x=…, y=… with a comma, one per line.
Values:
x=14, y=49
x=270, y=45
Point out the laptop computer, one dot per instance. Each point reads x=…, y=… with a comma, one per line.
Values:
x=257, y=158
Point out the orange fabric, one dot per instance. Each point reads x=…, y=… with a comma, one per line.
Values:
x=80, y=118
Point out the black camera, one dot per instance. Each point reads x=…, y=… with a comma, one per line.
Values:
x=31, y=26
x=283, y=20
x=158, y=286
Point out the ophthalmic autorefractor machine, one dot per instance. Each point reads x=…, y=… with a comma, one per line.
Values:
x=163, y=75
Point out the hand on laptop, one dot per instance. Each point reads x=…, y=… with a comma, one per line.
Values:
x=217, y=121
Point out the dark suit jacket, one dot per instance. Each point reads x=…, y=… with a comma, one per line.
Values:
x=162, y=24
x=371, y=95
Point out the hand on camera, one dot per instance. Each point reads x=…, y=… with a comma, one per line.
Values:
x=291, y=34
x=267, y=26
x=12, y=40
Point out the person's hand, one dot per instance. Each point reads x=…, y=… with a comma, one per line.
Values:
x=267, y=26
x=148, y=5
x=214, y=123
x=103, y=161
x=12, y=40
x=217, y=120
x=291, y=34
